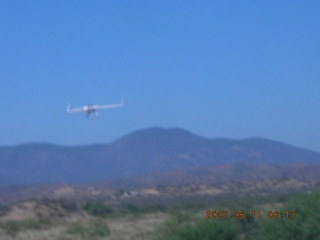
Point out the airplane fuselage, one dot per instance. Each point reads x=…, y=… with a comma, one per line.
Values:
x=88, y=109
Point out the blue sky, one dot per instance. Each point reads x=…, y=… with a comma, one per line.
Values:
x=234, y=69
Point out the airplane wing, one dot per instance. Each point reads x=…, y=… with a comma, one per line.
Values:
x=74, y=110
x=108, y=106
x=117, y=105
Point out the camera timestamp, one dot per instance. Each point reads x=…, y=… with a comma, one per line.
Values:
x=241, y=214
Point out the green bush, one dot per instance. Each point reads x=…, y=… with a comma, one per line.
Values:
x=137, y=209
x=63, y=238
x=13, y=227
x=304, y=225
x=209, y=230
x=97, y=209
x=94, y=229
x=131, y=208
x=201, y=230
x=152, y=208
x=68, y=205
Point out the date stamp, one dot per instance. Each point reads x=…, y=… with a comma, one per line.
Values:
x=254, y=214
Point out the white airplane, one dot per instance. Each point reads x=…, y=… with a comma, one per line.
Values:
x=89, y=108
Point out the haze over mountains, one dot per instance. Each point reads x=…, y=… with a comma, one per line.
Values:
x=154, y=150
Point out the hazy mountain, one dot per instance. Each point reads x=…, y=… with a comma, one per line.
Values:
x=142, y=152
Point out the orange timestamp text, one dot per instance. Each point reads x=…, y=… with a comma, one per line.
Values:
x=223, y=214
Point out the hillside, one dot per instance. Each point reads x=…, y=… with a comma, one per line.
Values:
x=148, y=151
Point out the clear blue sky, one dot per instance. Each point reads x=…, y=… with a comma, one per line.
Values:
x=232, y=69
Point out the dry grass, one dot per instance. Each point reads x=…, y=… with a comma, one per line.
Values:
x=52, y=233
x=133, y=228
x=128, y=227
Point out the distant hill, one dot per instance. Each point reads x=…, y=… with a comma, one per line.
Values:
x=241, y=179
x=148, y=151
x=222, y=174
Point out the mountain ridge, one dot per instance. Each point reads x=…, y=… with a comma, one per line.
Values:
x=141, y=152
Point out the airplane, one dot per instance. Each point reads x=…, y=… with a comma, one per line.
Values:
x=89, y=108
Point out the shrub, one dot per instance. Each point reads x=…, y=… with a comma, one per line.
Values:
x=68, y=205
x=13, y=227
x=304, y=225
x=3, y=210
x=209, y=230
x=97, y=209
x=94, y=229
x=202, y=230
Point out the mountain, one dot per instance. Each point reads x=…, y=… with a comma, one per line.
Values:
x=148, y=151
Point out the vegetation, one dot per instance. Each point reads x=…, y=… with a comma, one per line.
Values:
x=92, y=230
x=68, y=205
x=98, y=209
x=303, y=226
x=180, y=228
x=138, y=209
x=206, y=230
x=298, y=219
x=13, y=227
x=187, y=221
x=3, y=210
